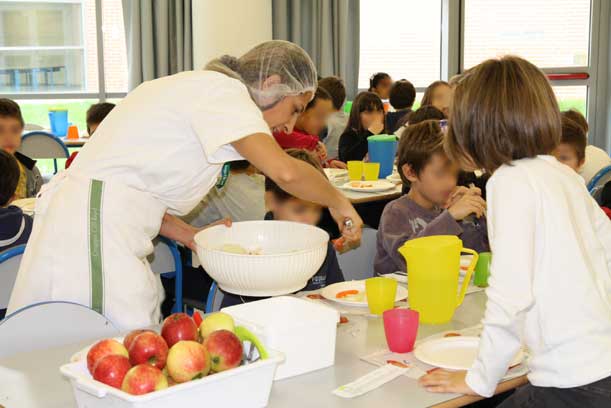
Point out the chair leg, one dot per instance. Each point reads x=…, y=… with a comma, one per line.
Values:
x=211, y=295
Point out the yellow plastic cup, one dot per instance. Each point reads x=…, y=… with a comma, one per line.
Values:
x=381, y=294
x=355, y=170
x=371, y=171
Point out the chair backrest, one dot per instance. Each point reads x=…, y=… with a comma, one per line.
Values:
x=51, y=324
x=215, y=299
x=32, y=126
x=9, y=266
x=596, y=185
x=357, y=264
x=43, y=145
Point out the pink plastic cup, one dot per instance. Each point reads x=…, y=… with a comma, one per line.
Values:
x=401, y=328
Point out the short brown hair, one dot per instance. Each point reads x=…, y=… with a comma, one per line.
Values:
x=426, y=112
x=417, y=145
x=10, y=109
x=97, y=112
x=320, y=95
x=9, y=177
x=402, y=94
x=578, y=118
x=574, y=135
x=336, y=88
x=427, y=98
x=299, y=154
x=502, y=110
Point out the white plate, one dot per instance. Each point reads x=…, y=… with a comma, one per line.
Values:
x=394, y=178
x=398, y=276
x=454, y=353
x=336, y=173
x=369, y=186
x=330, y=291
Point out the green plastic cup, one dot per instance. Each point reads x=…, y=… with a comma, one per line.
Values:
x=482, y=269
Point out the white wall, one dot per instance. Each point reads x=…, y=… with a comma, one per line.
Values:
x=229, y=27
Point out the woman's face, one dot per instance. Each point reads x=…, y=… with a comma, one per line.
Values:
x=441, y=98
x=282, y=116
x=314, y=120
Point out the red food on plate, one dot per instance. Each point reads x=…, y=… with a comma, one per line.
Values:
x=314, y=296
x=345, y=293
x=397, y=363
x=343, y=320
x=452, y=335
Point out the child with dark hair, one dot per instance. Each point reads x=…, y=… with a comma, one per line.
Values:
x=285, y=207
x=380, y=84
x=572, y=147
x=15, y=227
x=402, y=96
x=366, y=119
x=11, y=129
x=434, y=204
x=95, y=115
x=336, y=123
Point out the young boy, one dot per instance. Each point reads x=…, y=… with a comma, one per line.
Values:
x=284, y=207
x=95, y=115
x=336, y=123
x=434, y=204
x=572, y=147
x=402, y=96
x=15, y=227
x=11, y=128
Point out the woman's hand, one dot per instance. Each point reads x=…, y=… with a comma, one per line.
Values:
x=352, y=235
x=443, y=381
x=192, y=245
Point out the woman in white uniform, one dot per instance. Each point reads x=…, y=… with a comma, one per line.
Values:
x=154, y=158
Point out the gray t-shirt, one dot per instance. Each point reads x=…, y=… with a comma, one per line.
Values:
x=335, y=127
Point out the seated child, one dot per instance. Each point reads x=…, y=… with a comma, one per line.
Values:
x=434, y=204
x=380, y=84
x=438, y=94
x=15, y=226
x=572, y=147
x=95, y=115
x=11, y=129
x=366, y=119
x=284, y=207
x=425, y=112
x=336, y=123
x=402, y=96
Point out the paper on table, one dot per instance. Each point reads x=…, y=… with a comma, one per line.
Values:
x=369, y=381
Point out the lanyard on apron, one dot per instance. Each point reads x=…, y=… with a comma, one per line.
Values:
x=224, y=176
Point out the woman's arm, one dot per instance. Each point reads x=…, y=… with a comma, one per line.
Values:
x=176, y=229
x=299, y=179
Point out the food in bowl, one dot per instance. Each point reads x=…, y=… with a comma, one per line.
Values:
x=240, y=250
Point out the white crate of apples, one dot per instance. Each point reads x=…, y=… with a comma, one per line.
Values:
x=146, y=362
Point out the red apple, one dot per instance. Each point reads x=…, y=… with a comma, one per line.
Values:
x=148, y=348
x=143, y=379
x=225, y=349
x=188, y=360
x=103, y=348
x=111, y=370
x=127, y=341
x=177, y=327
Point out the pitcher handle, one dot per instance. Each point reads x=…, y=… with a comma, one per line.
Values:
x=465, y=283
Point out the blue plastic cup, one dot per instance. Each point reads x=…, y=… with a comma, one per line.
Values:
x=382, y=149
x=58, y=118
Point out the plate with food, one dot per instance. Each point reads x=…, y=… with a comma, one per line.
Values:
x=369, y=186
x=335, y=174
x=353, y=293
x=394, y=178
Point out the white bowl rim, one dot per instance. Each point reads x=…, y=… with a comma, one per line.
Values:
x=260, y=256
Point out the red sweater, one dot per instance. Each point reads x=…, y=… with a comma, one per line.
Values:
x=296, y=140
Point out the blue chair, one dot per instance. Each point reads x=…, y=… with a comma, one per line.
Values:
x=9, y=266
x=596, y=185
x=166, y=261
x=43, y=145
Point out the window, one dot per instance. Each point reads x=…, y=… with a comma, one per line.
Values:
x=402, y=38
x=572, y=97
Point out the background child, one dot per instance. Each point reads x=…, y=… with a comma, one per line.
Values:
x=438, y=94
x=380, y=84
x=95, y=115
x=15, y=227
x=402, y=96
x=336, y=123
x=284, y=207
x=572, y=147
x=433, y=206
x=11, y=129
x=550, y=276
x=366, y=119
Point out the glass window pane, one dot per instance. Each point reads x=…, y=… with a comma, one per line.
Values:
x=572, y=97
x=547, y=33
x=48, y=47
x=403, y=38
x=115, y=52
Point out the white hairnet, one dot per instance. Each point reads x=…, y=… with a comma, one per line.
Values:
x=287, y=60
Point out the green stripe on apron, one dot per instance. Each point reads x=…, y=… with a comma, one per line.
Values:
x=96, y=189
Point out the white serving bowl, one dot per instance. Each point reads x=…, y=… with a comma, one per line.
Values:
x=291, y=254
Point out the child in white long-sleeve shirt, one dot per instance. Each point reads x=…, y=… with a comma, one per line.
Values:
x=550, y=283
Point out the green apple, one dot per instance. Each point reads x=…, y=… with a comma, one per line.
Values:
x=216, y=321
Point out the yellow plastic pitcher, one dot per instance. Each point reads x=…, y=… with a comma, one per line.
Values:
x=433, y=265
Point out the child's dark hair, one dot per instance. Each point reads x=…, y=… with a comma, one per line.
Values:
x=9, y=177
x=97, y=112
x=402, y=94
x=417, y=145
x=336, y=88
x=320, y=94
x=376, y=79
x=364, y=102
x=578, y=118
x=427, y=98
x=299, y=154
x=10, y=109
x=574, y=135
x=426, y=112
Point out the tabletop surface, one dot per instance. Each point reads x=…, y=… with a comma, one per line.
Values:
x=32, y=379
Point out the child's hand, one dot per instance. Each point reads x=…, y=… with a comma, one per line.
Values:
x=466, y=205
x=443, y=381
x=321, y=151
x=460, y=191
x=336, y=164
